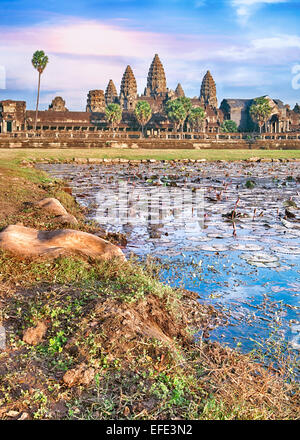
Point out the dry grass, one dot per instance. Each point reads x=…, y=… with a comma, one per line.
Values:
x=247, y=390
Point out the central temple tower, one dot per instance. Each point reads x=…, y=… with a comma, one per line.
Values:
x=156, y=81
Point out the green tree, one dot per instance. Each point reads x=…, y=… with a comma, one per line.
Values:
x=187, y=104
x=176, y=113
x=113, y=115
x=297, y=108
x=196, y=118
x=143, y=113
x=260, y=111
x=229, y=126
x=39, y=62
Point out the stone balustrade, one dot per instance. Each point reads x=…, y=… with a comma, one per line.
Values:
x=108, y=135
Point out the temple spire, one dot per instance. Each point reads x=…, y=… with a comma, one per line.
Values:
x=156, y=81
x=208, y=93
x=128, y=84
x=128, y=92
x=179, y=91
x=111, y=95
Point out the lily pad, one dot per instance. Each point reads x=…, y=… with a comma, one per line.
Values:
x=213, y=248
x=246, y=247
x=221, y=235
x=261, y=260
x=168, y=253
x=294, y=250
x=198, y=239
x=290, y=225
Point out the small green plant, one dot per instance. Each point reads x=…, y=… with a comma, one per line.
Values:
x=250, y=184
x=56, y=343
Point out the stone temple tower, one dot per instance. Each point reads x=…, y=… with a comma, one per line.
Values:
x=208, y=93
x=95, y=101
x=179, y=91
x=128, y=92
x=111, y=95
x=156, y=81
x=58, y=105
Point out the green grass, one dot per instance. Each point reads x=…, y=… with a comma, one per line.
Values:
x=123, y=280
x=15, y=156
x=11, y=167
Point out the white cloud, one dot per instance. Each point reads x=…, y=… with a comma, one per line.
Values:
x=278, y=42
x=2, y=77
x=200, y=3
x=246, y=8
x=262, y=51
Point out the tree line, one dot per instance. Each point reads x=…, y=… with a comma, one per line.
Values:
x=178, y=111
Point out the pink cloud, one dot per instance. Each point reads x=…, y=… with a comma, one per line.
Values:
x=85, y=54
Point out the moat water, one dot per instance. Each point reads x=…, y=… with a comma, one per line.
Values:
x=249, y=268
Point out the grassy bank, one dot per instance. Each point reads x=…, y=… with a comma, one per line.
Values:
x=14, y=155
x=117, y=343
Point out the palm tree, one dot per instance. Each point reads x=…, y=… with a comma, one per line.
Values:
x=187, y=104
x=260, y=111
x=176, y=113
x=113, y=115
x=143, y=113
x=39, y=62
x=196, y=117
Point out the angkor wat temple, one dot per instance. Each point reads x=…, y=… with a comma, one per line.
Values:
x=14, y=116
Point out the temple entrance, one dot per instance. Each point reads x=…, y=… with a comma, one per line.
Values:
x=9, y=126
x=274, y=124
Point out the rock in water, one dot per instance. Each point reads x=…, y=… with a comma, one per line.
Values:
x=31, y=243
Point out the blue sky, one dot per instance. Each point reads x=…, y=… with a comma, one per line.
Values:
x=250, y=46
